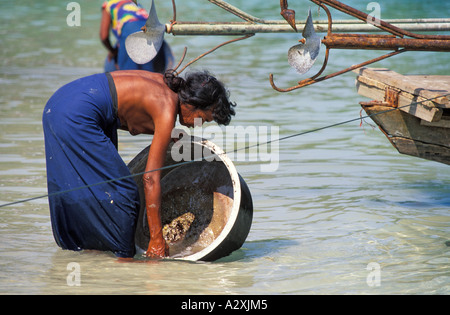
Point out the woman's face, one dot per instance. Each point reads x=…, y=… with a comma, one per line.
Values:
x=190, y=116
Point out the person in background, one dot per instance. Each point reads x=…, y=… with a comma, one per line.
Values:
x=125, y=17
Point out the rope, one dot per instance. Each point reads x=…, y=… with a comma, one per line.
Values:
x=236, y=150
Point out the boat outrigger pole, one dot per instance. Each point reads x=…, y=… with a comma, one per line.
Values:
x=302, y=56
x=143, y=46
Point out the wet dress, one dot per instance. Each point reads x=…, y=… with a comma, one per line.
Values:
x=91, y=207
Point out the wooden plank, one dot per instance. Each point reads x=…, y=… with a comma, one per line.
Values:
x=421, y=130
x=422, y=150
x=397, y=123
x=409, y=136
x=439, y=84
x=421, y=110
x=436, y=87
x=376, y=90
x=443, y=123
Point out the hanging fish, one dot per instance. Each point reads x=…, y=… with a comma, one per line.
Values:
x=144, y=45
x=301, y=57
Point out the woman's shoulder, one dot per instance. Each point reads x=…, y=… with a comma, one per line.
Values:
x=143, y=86
x=136, y=76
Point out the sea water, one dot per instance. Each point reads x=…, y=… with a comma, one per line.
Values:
x=342, y=213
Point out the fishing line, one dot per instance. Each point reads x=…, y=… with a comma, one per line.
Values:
x=338, y=124
x=214, y=154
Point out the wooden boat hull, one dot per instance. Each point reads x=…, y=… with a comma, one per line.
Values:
x=412, y=111
x=409, y=136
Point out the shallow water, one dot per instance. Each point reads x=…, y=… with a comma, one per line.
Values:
x=342, y=207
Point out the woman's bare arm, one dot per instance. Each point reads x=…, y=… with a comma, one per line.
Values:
x=105, y=26
x=152, y=187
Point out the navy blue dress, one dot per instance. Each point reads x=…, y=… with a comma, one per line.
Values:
x=80, y=128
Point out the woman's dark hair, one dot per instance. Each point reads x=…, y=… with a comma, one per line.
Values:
x=203, y=91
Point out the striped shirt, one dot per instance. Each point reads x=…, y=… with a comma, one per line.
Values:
x=123, y=11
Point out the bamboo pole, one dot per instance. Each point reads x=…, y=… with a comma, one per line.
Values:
x=344, y=26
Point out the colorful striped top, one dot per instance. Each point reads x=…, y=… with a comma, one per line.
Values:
x=123, y=11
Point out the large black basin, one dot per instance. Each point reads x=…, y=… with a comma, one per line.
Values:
x=212, y=191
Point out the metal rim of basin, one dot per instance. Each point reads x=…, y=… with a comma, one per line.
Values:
x=236, y=201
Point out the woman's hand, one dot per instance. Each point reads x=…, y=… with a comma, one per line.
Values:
x=157, y=249
x=112, y=54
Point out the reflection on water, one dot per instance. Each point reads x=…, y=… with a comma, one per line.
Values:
x=342, y=198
